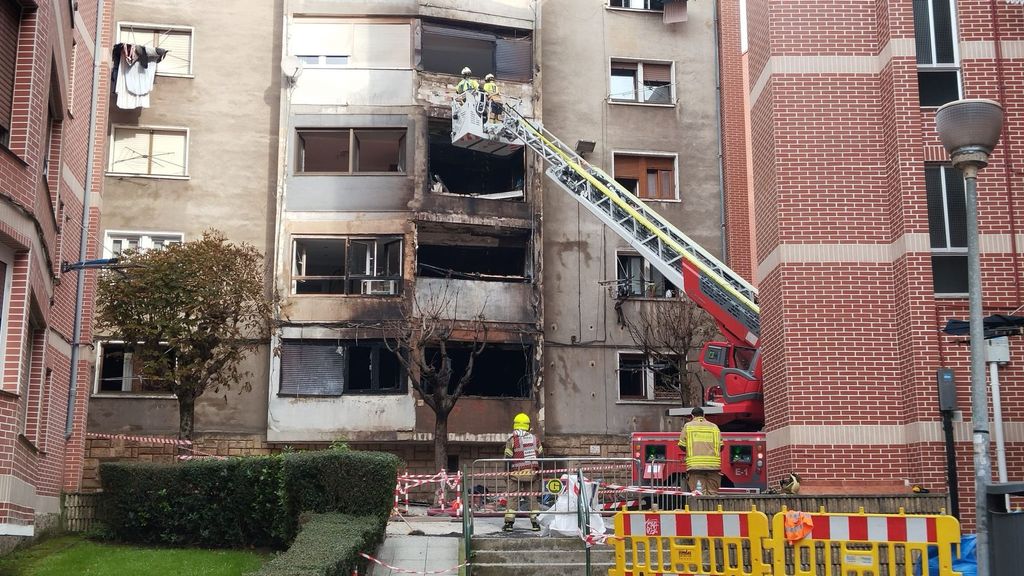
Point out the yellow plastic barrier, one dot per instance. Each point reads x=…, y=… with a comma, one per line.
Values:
x=674, y=543
x=866, y=545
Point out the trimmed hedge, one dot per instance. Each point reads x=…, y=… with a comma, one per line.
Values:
x=251, y=501
x=328, y=545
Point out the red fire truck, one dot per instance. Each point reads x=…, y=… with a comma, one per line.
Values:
x=661, y=461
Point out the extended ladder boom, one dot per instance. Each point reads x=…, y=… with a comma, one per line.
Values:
x=723, y=293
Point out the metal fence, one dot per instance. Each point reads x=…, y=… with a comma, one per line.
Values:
x=79, y=510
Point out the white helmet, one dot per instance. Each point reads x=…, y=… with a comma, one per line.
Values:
x=489, y=77
x=466, y=71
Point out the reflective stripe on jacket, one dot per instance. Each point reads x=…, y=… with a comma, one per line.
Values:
x=491, y=87
x=703, y=443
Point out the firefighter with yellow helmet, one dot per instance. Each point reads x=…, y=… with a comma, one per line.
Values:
x=522, y=450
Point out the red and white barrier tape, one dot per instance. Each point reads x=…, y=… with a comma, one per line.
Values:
x=597, y=538
x=407, y=570
x=153, y=439
x=556, y=471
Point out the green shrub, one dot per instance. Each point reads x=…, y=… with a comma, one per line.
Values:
x=328, y=545
x=253, y=501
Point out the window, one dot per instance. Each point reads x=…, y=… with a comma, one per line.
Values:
x=350, y=150
x=642, y=377
x=120, y=370
x=938, y=65
x=116, y=242
x=947, y=228
x=643, y=82
x=177, y=40
x=507, y=53
x=652, y=5
x=323, y=60
x=10, y=23
x=342, y=265
x=636, y=277
x=336, y=367
x=499, y=371
x=160, y=152
x=647, y=177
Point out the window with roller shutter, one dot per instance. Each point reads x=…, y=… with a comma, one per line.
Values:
x=141, y=151
x=641, y=82
x=337, y=367
x=177, y=40
x=508, y=54
x=10, y=23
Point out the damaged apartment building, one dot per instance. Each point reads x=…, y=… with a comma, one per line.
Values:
x=383, y=220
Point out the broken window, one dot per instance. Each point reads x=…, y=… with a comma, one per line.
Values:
x=347, y=265
x=647, y=177
x=336, y=367
x=149, y=151
x=652, y=5
x=120, y=370
x=636, y=277
x=643, y=377
x=445, y=252
x=643, y=82
x=506, y=53
x=500, y=371
x=350, y=150
x=455, y=170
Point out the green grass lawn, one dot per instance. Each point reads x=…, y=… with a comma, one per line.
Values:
x=68, y=555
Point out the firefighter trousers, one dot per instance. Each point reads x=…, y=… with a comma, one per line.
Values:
x=527, y=483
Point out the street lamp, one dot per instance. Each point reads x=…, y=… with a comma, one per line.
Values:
x=969, y=130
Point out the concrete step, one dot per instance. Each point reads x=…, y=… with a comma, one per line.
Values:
x=525, y=540
x=603, y=554
x=550, y=569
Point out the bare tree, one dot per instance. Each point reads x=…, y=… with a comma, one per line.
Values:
x=667, y=331
x=423, y=340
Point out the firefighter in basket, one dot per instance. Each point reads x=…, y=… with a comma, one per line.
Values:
x=522, y=450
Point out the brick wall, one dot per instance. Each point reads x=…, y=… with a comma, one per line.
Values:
x=851, y=323
x=40, y=227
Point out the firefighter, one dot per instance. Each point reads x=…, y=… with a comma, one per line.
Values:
x=702, y=442
x=494, y=106
x=522, y=449
x=467, y=84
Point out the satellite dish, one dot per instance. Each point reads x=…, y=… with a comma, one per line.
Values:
x=292, y=67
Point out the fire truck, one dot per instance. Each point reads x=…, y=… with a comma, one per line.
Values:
x=735, y=401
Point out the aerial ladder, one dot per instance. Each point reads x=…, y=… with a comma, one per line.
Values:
x=736, y=401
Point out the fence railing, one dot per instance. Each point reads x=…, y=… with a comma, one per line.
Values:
x=79, y=511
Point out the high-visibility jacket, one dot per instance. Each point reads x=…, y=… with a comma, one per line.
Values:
x=491, y=87
x=797, y=525
x=524, y=448
x=703, y=444
x=466, y=84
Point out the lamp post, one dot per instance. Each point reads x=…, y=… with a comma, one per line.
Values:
x=969, y=130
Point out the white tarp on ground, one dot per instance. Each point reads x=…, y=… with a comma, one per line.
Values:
x=561, y=518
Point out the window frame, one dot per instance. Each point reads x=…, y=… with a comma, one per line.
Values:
x=378, y=347
x=647, y=4
x=948, y=249
x=642, y=183
x=638, y=81
x=955, y=65
x=7, y=257
x=101, y=346
x=154, y=28
x=649, y=380
x=145, y=239
x=321, y=62
x=110, y=160
x=648, y=278
x=353, y=151
x=347, y=277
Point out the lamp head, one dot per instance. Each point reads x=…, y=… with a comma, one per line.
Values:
x=969, y=130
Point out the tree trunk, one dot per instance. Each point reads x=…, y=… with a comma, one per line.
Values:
x=186, y=417
x=440, y=441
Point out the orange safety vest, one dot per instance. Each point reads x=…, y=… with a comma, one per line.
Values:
x=797, y=525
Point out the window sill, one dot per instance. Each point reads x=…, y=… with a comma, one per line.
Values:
x=645, y=104
x=306, y=174
x=165, y=75
x=345, y=295
x=24, y=440
x=641, y=10
x=952, y=296
x=669, y=200
x=133, y=395
x=674, y=402
x=147, y=176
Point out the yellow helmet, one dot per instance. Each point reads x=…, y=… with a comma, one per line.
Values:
x=521, y=422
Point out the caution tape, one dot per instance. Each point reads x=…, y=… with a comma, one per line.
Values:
x=407, y=570
x=598, y=538
x=153, y=439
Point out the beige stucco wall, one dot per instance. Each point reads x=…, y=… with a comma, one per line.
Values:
x=580, y=38
x=230, y=107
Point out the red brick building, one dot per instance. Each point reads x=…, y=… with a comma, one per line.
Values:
x=859, y=227
x=47, y=50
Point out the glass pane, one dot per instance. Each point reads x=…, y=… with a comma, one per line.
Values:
x=949, y=273
x=956, y=205
x=323, y=150
x=631, y=376
x=943, y=17
x=336, y=60
x=130, y=151
x=360, y=257
x=651, y=191
x=321, y=257
x=389, y=372
x=667, y=184
x=309, y=60
x=390, y=262
x=360, y=368
x=631, y=275
x=168, y=156
x=623, y=84
x=378, y=150
x=112, y=368
x=938, y=87
x=657, y=92
x=922, y=32
x=936, y=207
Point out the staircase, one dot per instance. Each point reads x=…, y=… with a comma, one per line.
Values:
x=537, y=556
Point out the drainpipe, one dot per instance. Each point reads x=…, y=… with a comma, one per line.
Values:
x=83, y=242
x=1007, y=152
x=718, y=121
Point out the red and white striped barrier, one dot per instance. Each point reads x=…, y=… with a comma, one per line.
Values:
x=682, y=525
x=409, y=571
x=152, y=439
x=875, y=528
